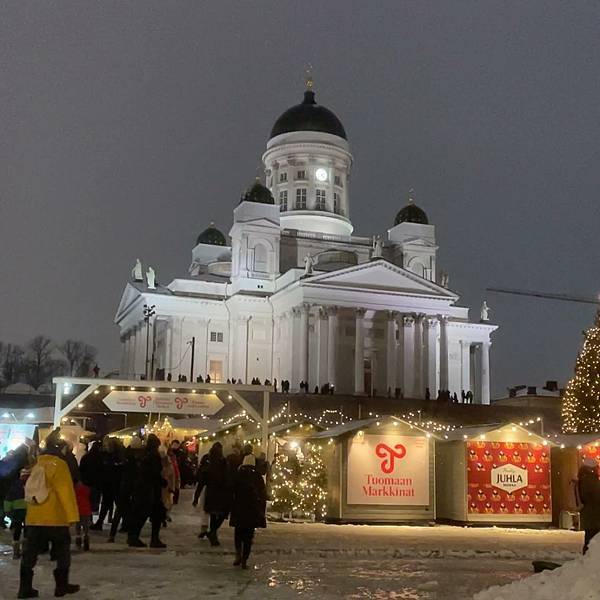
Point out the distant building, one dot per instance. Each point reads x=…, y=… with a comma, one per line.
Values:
x=295, y=295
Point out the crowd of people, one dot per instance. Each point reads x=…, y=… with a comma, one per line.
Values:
x=44, y=492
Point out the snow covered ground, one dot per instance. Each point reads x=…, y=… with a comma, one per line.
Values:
x=306, y=560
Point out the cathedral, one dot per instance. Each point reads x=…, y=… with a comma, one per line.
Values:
x=291, y=293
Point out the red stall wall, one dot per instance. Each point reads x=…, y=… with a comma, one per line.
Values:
x=532, y=497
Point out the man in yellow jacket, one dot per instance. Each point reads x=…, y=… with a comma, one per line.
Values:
x=48, y=522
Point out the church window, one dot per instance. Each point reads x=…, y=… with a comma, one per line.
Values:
x=336, y=203
x=260, y=258
x=282, y=177
x=216, y=336
x=337, y=180
x=301, y=174
x=321, y=200
x=283, y=198
x=300, y=198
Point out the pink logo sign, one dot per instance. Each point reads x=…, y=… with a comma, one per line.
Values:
x=180, y=402
x=389, y=455
x=143, y=400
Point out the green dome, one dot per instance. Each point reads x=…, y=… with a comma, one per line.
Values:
x=257, y=192
x=211, y=235
x=411, y=213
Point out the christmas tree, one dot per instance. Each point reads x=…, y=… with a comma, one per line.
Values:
x=581, y=402
x=313, y=483
x=285, y=476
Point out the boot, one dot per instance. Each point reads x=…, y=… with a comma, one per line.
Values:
x=154, y=539
x=135, y=542
x=246, y=548
x=25, y=589
x=63, y=587
x=86, y=543
x=238, y=554
x=78, y=542
x=157, y=543
x=16, y=550
x=97, y=526
x=214, y=540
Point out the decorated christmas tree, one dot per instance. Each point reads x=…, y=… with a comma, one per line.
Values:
x=581, y=402
x=285, y=492
x=313, y=483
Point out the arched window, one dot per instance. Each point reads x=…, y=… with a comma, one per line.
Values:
x=261, y=255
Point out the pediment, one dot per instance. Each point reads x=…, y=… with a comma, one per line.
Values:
x=381, y=275
x=130, y=294
x=418, y=241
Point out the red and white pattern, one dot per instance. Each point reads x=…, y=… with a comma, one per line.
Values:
x=484, y=498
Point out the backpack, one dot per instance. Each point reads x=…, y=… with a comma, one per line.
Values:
x=36, y=488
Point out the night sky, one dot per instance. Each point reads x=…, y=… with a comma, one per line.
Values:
x=126, y=127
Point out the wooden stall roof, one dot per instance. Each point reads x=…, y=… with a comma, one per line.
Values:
x=476, y=432
x=350, y=426
x=575, y=440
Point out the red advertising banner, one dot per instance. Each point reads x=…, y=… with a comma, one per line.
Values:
x=508, y=478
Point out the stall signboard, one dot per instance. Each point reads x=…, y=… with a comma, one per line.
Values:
x=163, y=402
x=388, y=469
x=508, y=478
x=13, y=435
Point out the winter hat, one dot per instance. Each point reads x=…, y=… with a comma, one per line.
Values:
x=249, y=460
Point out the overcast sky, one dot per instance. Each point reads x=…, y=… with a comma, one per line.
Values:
x=126, y=127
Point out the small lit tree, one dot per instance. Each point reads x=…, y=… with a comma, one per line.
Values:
x=313, y=483
x=284, y=483
x=581, y=402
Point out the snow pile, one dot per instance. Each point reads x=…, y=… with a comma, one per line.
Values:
x=578, y=579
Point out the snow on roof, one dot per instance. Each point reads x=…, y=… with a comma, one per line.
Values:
x=340, y=430
x=476, y=431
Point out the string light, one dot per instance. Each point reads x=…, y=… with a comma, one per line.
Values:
x=581, y=402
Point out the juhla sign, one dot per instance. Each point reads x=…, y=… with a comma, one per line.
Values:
x=163, y=402
x=509, y=478
x=388, y=469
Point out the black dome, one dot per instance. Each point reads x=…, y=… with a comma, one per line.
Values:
x=257, y=192
x=211, y=235
x=308, y=116
x=411, y=213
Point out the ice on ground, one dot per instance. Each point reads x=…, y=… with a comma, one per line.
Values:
x=578, y=579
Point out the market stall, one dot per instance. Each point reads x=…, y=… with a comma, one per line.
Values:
x=495, y=474
x=379, y=470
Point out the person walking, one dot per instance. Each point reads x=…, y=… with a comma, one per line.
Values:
x=109, y=478
x=216, y=478
x=84, y=505
x=146, y=497
x=248, y=508
x=15, y=508
x=51, y=509
x=131, y=467
x=90, y=468
x=588, y=486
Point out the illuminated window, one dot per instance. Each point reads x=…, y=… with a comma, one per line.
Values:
x=282, y=177
x=283, y=198
x=301, y=175
x=300, y=198
x=321, y=203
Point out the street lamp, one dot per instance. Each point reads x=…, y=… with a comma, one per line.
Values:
x=149, y=312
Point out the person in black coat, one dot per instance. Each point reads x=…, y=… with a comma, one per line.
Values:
x=215, y=475
x=248, y=509
x=588, y=487
x=146, y=497
x=90, y=468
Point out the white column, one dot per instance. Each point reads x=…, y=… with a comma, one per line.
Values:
x=140, y=351
x=332, y=333
x=418, y=390
x=359, y=353
x=408, y=355
x=303, y=362
x=465, y=366
x=321, y=340
x=430, y=369
x=444, y=358
x=391, y=352
x=485, y=373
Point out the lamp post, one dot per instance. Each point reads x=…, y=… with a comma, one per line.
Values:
x=149, y=312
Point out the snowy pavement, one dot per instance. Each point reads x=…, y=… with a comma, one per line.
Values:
x=304, y=560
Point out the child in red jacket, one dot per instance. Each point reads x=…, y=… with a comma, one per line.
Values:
x=84, y=504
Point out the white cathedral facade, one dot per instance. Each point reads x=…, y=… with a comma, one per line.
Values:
x=296, y=296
